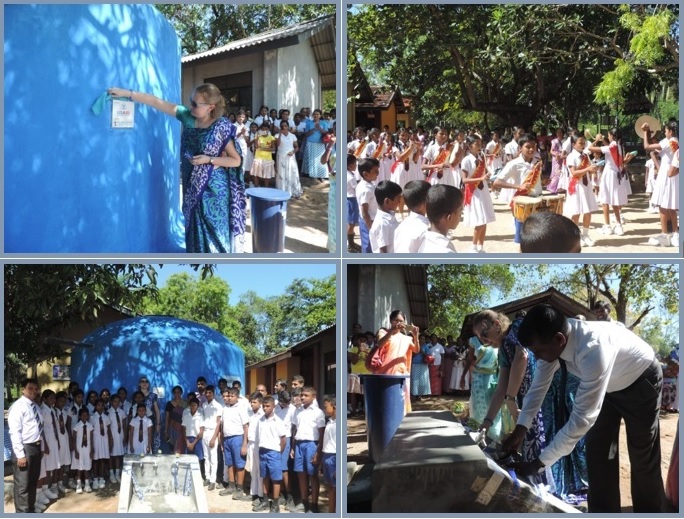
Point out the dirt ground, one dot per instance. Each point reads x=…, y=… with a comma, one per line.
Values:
x=306, y=225
x=357, y=448
x=639, y=227
x=106, y=501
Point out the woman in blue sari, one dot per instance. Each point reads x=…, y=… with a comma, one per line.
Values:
x=214, y=203
x=314, y=148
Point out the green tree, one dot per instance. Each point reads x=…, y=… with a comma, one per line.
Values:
x=206, y=26
x=455, y=291
x=308, y=306
x=42, y=300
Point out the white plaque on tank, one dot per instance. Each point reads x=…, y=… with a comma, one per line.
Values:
x=123, y=114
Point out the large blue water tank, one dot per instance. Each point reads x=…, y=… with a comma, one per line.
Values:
x=169, y=351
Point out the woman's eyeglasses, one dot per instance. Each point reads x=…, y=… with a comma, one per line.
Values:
x=195, y=104
x=144, y=381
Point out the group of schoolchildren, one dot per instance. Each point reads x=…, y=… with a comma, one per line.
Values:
x=442, y=181
x=269, y=436
x=274, y=147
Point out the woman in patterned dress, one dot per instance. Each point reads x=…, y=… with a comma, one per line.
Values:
x=315, y=130
x=214, y=203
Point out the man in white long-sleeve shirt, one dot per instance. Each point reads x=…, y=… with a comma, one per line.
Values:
x=620, y=378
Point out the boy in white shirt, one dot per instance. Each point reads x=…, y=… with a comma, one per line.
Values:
x=329, y=461
x=285, y=411
x=270, y=443
x=309, y=427
x=234, y=432
x=210, y=439
x=388, y=197
x=409, y=235
x=352, y=203
x=369, y=169
x=444, y=208
x=193, y=430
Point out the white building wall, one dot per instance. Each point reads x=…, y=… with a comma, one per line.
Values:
x=298, y=82
x=381, y=289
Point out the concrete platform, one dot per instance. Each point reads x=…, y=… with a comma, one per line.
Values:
x=432, y=466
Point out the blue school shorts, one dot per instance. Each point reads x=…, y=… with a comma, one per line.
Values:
x=269, y=464
x=231, y=452
x=329, y=469
x=304, y=453
x=285, y=455
x=199, y=448
x=352, y=211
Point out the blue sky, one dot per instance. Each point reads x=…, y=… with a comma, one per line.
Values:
x=265, y=279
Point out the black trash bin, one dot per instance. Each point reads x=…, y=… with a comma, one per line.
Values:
x=269, y=211
x=384, y=399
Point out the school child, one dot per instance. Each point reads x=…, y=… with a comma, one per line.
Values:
x=263, y=167
x=444, y=208
x=494, y=153
x=285, y=411
x=234, y=429
x=82, y=447
x=125, y=404
x=546, y=232
x=138, y=398
x=74, y=413
x=212, y=410
x=308, y=425
x=357, y=147
x=90, y=401
x=103, y=443
x=140, y=432
x=666, y=191
x=296, y=397
x=118, y=428
x=241, y=135
x=352, y=204
x=408, y=236
x=50, y=460
x=64, y=431
x=612, y=191
x=251, y=141
x=255, y=412
x=373, y=144
x=436, y=167
x=270, y=443
x=297, y=381
x=521, y=176
x=512, y=148
x=105, y=396
x=365, y=195
x=328, y=461
x=381, y=234
x=356, y=359
x=193, y=430
x=580, y=198
x=385, y=153
x=652, y=165
x=263, y=117
x=287, y=177
x=479, y=209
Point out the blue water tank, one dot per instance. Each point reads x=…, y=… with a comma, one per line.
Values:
x=167, y=350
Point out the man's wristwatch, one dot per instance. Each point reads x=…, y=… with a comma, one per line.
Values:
x=211, y=160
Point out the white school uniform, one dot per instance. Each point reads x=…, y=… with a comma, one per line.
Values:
x=410, y=233
x=480, y=210
x=495, y=162
x=84, y=461
x=256, y=487
x=330, y=437
x=666, y=192
x=514, y=172
x=431, y=154
x=511, y=150
x=287, y=177
x=650, y=175
x=192, y=423
x=583, y=200
x=212, y=410
x=381, y=233
x=308, y=421
x=241, y=138
x=117, y=436
x=612, y=191
x=386, y=163
x=365, y=194
x=51, y=433
x=64, y=448
x=140, y=447
x=435, y=242
x=248, y=157
x=101, y=438
x=286, y=414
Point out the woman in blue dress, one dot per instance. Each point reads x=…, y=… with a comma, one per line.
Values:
x=314, y=148
x=214, y=203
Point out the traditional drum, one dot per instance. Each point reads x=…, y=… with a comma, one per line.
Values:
x=524, y=206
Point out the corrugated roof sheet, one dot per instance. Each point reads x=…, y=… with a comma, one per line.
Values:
x=312, y=27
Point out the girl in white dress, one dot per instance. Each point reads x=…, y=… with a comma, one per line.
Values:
x=140, y=432
x=287, y=177
x=613, y=188
x=479, y=209
x=385, y=153
x=118, y=427
x=51, y=434
x=63, y=428
x=82, y=451
x=652, y=166
x=580, y=198
x=102, y=443
x=251, y=141
x=666, y=192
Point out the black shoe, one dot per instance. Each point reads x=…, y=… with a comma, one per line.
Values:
x=261, y=506
x=282, y=501
x=274, y=507
x=240, y=495
x=206, y=482
x=211, y=486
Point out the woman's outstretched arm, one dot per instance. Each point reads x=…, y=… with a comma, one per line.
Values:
x=146, y=99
